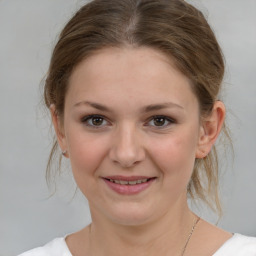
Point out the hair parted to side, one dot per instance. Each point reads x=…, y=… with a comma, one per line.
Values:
x=173, y=27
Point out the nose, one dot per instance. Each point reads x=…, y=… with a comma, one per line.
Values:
x=127, y=149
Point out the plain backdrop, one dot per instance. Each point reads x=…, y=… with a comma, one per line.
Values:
x=29, y=217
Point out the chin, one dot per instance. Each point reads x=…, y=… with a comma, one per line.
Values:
x=130, y=215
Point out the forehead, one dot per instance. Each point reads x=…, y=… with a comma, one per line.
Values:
x=110, y=59
x=143, y=75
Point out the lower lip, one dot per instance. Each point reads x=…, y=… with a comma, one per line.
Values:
x=129, y=189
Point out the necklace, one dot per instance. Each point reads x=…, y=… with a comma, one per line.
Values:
x=189, y=236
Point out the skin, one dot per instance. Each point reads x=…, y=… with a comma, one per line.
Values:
x=123, y=86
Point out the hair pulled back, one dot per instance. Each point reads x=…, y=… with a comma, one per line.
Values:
x=173, y=27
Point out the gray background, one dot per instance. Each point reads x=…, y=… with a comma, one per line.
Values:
x=28, y=31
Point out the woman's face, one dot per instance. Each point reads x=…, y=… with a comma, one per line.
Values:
x=131, y=129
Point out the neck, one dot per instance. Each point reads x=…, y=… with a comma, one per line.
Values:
x=166, y=235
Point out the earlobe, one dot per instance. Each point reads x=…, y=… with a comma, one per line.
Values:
x=210, y=129
x=58, y=130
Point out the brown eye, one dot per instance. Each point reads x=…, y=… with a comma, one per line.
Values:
x=97, y=121
x=159, y=121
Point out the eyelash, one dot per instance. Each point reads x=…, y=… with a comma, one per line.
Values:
x=89, y=118
x=165, y=118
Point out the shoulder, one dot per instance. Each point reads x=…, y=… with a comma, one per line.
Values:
x=56, y=247
x=211, y=240
x=239, y=245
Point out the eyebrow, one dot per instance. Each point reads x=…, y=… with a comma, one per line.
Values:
x=154, y=107
x=94, y=105
x=149, y=108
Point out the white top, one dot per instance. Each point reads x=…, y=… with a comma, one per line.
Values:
x=238, y=245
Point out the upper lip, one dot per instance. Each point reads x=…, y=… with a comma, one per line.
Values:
x=127, y=178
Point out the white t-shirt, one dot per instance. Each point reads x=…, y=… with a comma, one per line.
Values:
x=237, y=245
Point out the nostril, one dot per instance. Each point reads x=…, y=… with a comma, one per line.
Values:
x=126, y=150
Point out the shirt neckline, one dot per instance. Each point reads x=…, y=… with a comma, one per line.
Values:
x=234, y=236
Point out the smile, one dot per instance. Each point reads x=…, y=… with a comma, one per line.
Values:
x=124, y=182
x=128, y=185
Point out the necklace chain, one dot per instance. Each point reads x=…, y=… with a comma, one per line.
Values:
x=189, y=236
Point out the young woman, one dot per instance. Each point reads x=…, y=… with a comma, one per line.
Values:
x=133, y=92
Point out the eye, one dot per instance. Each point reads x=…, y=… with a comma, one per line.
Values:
x=95, y=121
x=160, y=121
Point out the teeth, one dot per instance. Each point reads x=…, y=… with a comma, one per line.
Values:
x=134, y=182
x=122, y=182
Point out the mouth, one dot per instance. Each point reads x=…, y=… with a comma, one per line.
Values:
x=130, y=182
x=128, y=185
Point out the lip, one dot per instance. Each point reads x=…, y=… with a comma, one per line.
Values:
x=127, y=178
x=128, y=189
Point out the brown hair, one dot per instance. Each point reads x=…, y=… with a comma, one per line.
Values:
x=172, y=26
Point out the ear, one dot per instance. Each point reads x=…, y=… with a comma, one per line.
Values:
x=210, y=129
x=59, y=130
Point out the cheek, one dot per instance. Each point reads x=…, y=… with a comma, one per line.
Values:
x=175, y=154
x=86, y=153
